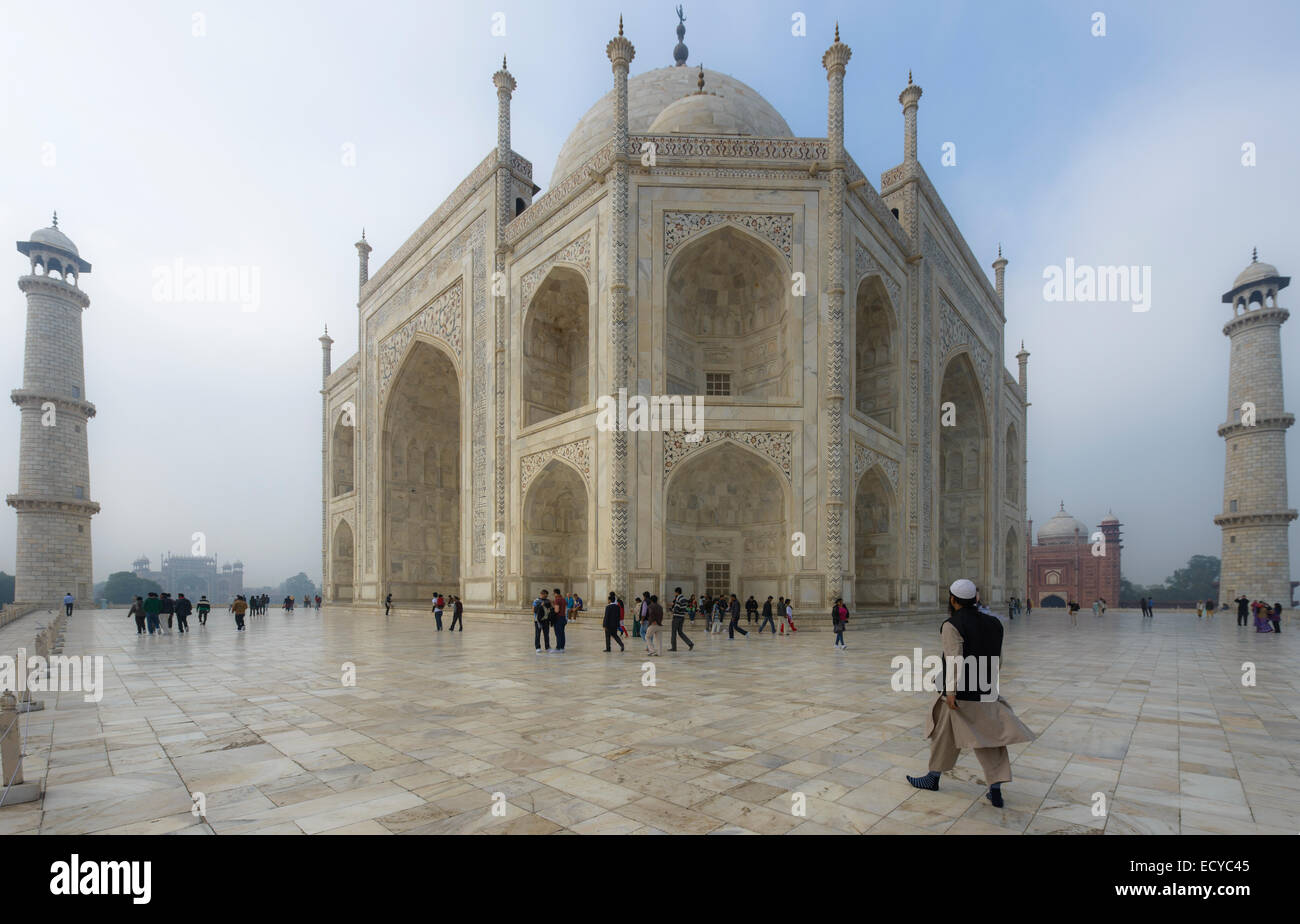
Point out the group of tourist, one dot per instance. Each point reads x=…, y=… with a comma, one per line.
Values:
x=440, y=603
x=1013, y=607
x=1267, y=618
x=148, y=612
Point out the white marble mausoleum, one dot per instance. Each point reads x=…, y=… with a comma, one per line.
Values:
x=689, y=245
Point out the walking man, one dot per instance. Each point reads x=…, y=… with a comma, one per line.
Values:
x=239, y=607
x=183, y=608
x=613, y=620
x=654, y=639
x=789, y=614
x=137, y=610
x=681, y=607
x=168, y=609
x=204, y=608
x=1243, y=610
x=68, y=600
x=152, y=607
x=438, y=604
x=767, y=617
x=388, y=604
x=457, y=610
x=541, y=622
x=734, y=627
x=969, y=712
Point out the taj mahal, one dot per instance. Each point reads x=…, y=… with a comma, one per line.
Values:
x=860, y=438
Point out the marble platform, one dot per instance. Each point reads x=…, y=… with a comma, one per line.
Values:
x=1150, y=715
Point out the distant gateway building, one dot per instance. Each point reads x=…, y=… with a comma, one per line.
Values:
x=689, y=245
x=1062, y=567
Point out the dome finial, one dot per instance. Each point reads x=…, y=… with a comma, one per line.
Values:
x=909, y=76
x=1062, y=506
x=837, y=32
x=699, y=83
x=680, y=51
x=503, y=62
x=1254, y=251
x=56, y=218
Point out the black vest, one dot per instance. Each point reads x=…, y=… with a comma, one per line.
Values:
x=981, y=638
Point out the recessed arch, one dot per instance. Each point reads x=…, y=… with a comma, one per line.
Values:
x=343, y=454
x=1052, y=600
x=342, y=563
x=877, y=354
x=556, y=531
x=421, y=519
x=963, y=475
x=727, y=297
x=1012, y=463
x=875, y=540
x=556, y=346
x=727, y=505
x=1012, y=572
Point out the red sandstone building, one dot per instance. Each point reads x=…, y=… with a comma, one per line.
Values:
x=1063, y=565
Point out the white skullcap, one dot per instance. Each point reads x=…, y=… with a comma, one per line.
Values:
x=963, y=589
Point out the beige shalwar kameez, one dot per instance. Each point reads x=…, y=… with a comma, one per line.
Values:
x=986, y=727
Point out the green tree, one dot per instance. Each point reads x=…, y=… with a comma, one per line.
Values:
x=298, y=586
x=1129, y=593
x=123, y=587
x=1196, y=581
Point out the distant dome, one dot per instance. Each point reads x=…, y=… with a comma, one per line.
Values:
x=1061, y=528
x=1255, y=272
x=732, y=104
x=53, y=237
x=239, y=566
x=1110, y=518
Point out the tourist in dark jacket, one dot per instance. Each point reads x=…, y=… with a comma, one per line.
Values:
x=204, y=609
x=137, y=610
x=167, y=607
x=1275, y=617
x=613, y=619
x=767, y=617
x=183, y=609
x=152, y=607
x=839, y=618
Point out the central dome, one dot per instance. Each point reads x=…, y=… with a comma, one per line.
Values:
x=664, y=101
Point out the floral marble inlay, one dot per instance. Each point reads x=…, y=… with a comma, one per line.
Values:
x=776, y=445
x=576, y=253
x=441, y=319
x=681, y=226
x=578, y=452
x=865, y=457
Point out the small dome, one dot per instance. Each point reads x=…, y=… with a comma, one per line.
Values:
x=239, y=566
x=1254, y=272
x=1110, y=518
x=1061, y=528
x=708, y=114
x=53, y=237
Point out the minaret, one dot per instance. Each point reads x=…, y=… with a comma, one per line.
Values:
x=325, y=343
x=620, y=52
x=363, y=262
x=506, y=86
x=53, y=499
x=1255, y=517
x=1000, y=278
x=910, y=96
x=835, y=60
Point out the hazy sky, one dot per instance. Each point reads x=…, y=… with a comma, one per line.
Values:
x=228, y=149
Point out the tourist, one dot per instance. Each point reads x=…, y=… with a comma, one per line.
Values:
x=204, y=608
x=318, y=603
x=655, y=616
x=839, y=617
x=1200, y=609
x=152, y=607
x=438, y=605
x=541, y=622
x=1243, y=610
x=751, y=610
x=1275, y=617
x=734, y=609
x=1261, y=617
x=68, y=600
x=167, y=607
x=1074, y=613
x=183, y=609
x=578, y=605
x=1029, y=608
x=622, y=617
x=680, y=609
x=560, y=621
x=613, y=622
x=972, y=648
x=789, y=614
x=1209, y=608
x=457, y=612
x=137, y=610
x=1011, y=608
x=719, y=614
x=239, y=607
x=636, y=616
x=1151, y=607
x=767, y=616
x=692, y=607
x=570, y=610
x=388, y=604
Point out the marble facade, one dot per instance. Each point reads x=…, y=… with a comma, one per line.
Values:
x=688, y=245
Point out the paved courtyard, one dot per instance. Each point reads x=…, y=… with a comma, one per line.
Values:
x=1151, y=714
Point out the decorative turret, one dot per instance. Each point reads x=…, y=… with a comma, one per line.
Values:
x=1000, y=277
x=363, y=260
x=326, y=341
x=910, y=96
